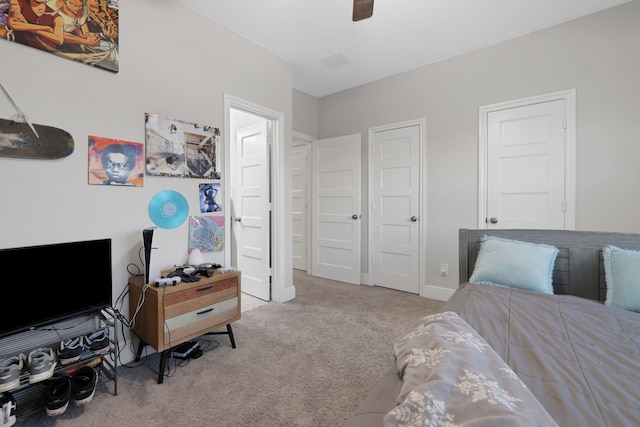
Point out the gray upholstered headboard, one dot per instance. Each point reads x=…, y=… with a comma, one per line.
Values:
x=578, y=269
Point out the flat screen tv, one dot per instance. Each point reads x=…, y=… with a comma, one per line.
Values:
x=49, y=283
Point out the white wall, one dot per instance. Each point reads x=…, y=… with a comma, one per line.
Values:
x=598, y=55
x=173, y=63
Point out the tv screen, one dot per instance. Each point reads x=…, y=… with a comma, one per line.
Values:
x=48, y=283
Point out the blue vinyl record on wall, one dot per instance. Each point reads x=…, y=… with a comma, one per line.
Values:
x=168, y=209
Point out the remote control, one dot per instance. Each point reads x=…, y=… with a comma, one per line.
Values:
x=167, y=281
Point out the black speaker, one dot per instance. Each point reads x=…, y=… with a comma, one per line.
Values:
x=147, y=240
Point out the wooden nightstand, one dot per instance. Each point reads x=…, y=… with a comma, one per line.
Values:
x=171, y=315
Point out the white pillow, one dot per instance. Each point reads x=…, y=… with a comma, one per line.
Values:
x=622, y=274
x=516, y=264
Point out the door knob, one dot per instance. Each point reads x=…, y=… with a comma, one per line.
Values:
x=493, y=220
x=354, y=216
x=414, y=218
x=238, y=219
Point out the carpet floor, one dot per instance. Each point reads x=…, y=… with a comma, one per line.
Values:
x=306, y=362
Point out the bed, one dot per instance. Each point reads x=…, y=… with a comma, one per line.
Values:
x=574, y=345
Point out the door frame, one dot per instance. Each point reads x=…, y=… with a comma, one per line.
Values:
x=299, y=139
x=422, y=215
x=281, y=258
x=569, y=97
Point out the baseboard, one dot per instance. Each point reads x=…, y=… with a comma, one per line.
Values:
x=427, y=291
x=364, y=279
x=436, y=292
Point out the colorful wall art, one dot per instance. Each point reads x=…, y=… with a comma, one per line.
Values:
x=181, y=149
x=115, y=162
x=206, y=233
x=83, y=31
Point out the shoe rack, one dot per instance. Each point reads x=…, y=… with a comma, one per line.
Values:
x=29, y=396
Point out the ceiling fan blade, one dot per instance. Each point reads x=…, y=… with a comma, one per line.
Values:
x=362, y=9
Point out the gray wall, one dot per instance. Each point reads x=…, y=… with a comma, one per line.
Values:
x=305, y=114
x=598, y=55
x=173, y=63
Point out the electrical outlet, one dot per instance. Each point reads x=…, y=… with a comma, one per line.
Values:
x=444, y=269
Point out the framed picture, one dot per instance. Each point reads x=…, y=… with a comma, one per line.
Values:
x=83, y=31
x=180, y=148
x=115, y=162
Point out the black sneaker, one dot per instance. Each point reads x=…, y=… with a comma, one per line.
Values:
x=83, y=385
x=97, y=342
x=7, y=409
x=70, y=350
x=56, y=395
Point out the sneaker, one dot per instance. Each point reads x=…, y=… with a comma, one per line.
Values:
x=56, y=395
x=10, y=371
x=83, y=385
x=42, y=362
x=70, y=350
x=98, y=342
x=7, y=409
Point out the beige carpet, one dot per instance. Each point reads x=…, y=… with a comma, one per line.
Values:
x=307, y=362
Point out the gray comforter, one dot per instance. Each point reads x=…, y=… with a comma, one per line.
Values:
x=578, y=357
x=452, y=377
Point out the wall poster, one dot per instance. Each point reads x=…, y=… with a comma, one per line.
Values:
x=206, y=233
x=181, y=149
x=84, y=31
x=210, y=197
x=115, y=162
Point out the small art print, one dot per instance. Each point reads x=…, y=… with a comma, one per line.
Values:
x=181, y=149
x=210, y=197
x=206, y=233
x=115, y=162
x=83, y=31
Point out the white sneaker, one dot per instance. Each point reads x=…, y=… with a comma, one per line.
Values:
x=42, y=363
x=10, y=371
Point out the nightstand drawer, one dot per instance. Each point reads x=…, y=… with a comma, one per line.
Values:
x=192, y=299
x=199, y=319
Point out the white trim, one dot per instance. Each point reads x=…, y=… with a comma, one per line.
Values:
x=303, y=139
x=279, y=291
x=302, y=136
x=436, y=292
x=422, y=215
x=569, y=96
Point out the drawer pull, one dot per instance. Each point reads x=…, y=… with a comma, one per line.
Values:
x=204, y=311
x=205, y=288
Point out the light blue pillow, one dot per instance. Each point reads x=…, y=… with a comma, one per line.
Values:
x=622, y=274
x=515, y=264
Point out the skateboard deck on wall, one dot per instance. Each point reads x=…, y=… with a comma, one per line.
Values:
x=19, y=140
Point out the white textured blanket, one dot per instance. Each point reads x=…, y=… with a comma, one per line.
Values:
x=452, y=377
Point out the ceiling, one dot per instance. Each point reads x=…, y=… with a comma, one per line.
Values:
x=330, y=53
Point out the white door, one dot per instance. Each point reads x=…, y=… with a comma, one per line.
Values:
x=335, y=218
x=250, y=222
x=299, y=211
x=395, y=209
x=526, y=166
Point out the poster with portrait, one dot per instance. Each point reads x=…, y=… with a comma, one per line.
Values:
x=84, y=31
x=180, y=148
x=206, y=233
x=115, y=162
x=210, y=197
